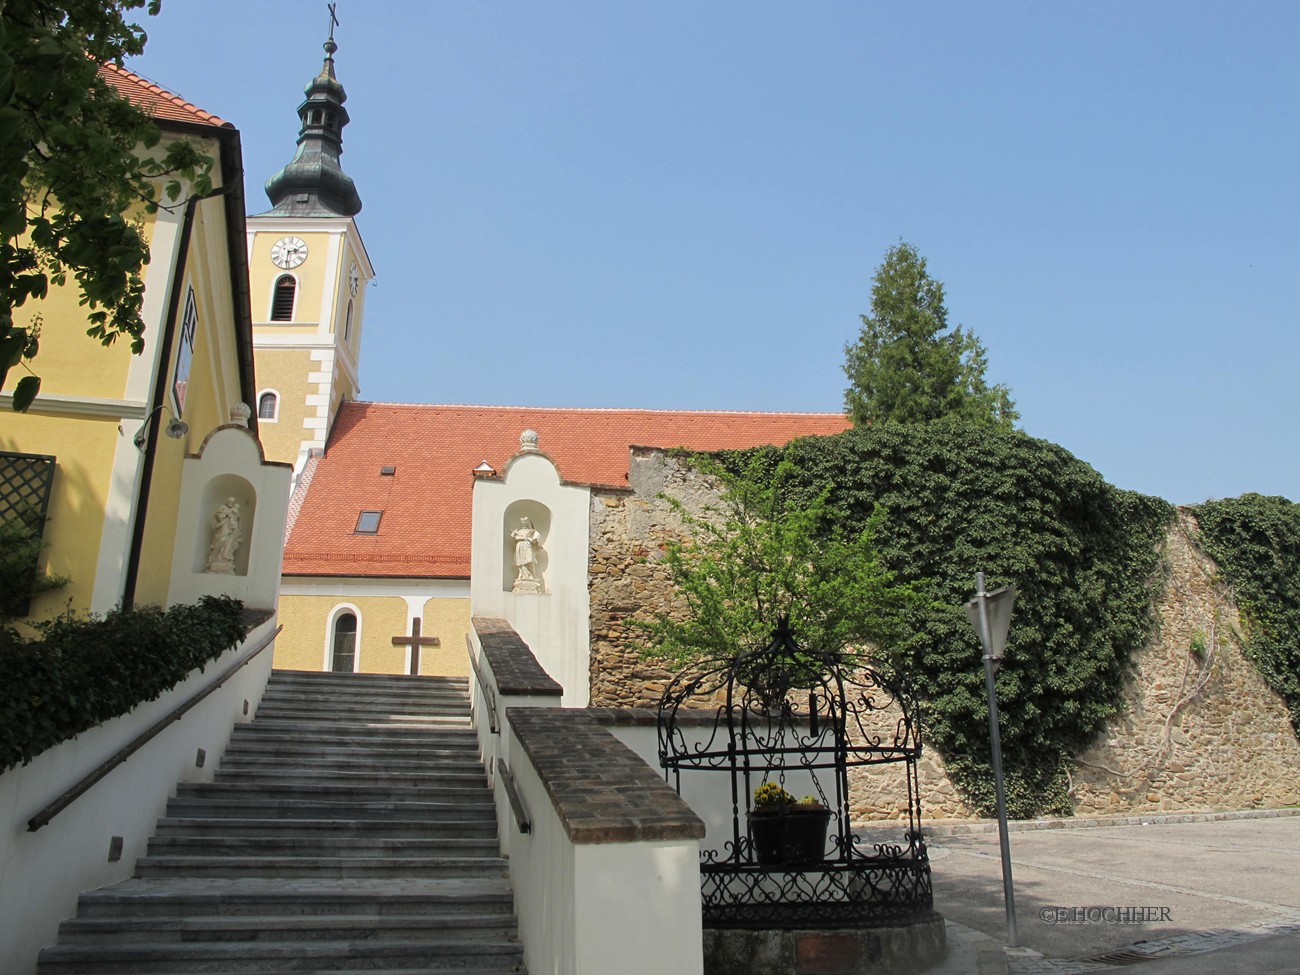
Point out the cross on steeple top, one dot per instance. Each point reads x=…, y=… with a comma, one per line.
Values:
x=334, y=18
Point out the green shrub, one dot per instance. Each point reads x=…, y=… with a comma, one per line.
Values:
x=952, y=500
x=20, y=575
x=1256, y=542
x=81, y=672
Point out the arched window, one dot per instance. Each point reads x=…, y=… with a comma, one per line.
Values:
x=268, y=406
x=282, y=302
x=343, y=652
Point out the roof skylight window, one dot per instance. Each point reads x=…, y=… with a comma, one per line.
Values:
x=368, y=522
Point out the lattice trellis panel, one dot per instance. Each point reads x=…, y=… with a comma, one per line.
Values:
x=25, y=484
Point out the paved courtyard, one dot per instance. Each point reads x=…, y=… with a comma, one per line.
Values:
x=1093, y=898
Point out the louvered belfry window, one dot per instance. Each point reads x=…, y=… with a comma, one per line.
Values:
x=282, y=302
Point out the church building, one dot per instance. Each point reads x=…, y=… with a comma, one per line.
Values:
x=379, y=545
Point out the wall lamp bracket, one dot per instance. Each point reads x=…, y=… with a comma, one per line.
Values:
x=176, y=427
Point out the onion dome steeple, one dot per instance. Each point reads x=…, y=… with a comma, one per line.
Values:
x=314, y=184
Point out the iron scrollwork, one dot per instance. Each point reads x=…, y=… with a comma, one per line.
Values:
x=792, y=716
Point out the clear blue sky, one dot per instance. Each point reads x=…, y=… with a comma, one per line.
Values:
x=681, y=203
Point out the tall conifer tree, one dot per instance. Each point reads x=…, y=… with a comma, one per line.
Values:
x=907, y=366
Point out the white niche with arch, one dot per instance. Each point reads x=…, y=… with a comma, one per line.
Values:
x=229, y=470
x=525, y=528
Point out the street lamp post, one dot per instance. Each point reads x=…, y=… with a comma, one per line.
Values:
x=990, y=612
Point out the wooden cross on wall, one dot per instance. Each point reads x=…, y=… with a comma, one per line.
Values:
x=415, y=641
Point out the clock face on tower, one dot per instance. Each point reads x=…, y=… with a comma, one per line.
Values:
x=289, y=252
x=354, y=279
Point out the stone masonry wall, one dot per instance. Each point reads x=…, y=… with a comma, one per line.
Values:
x=1199, y=729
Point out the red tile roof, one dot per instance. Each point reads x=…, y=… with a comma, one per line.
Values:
x=156, y=100
x=425, y=530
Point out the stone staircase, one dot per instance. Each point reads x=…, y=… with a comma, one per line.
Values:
x=349, y=828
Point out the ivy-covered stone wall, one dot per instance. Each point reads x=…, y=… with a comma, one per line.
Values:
x=1195, y=726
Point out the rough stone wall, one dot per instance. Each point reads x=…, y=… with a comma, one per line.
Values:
x=1195, y=732
x=1200, y=728
x=628, y=530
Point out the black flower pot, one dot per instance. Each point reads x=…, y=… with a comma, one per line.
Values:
x=783, y=835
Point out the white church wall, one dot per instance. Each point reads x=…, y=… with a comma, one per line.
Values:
x=43, y=872
x=555, y=621
x=595, y=906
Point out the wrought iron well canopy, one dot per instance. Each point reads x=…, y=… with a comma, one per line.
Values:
x=793, y=722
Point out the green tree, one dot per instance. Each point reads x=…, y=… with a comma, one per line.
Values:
x=762, y=556
x=907, y=366
x=71, y=172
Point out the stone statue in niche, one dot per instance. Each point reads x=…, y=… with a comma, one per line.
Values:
x=226, y=538
x=528, y=543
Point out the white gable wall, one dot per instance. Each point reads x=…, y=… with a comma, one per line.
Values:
x=555, y=622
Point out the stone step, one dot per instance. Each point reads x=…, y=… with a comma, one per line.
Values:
x=360, y=718
x=246, y=804
x=292, y=927
x=317, y=679
x=283, y=956
x=401, y=687
x=395, y=781
x=320, y=866
x=308, y=843
x=455, y=703
x=417, y=702
x=309, y=723
x=239, y=897
x=462, y=763
x=337, y=791
x=261, y=741
x=397, y=778
x=482, y=827
x=326, y=734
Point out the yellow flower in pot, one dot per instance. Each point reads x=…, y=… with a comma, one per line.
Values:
x=785, y=830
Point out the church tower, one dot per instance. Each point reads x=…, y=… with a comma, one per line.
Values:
x=307, y=270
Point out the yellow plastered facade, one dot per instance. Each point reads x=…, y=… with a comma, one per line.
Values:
x=308, y=631
x=309, y=362
x=74, y=524
x=282, y=372
x=94, y=399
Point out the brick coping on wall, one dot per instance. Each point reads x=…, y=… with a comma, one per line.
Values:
x=514, y=667
x=602, y=790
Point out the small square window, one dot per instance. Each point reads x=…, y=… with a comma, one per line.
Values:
x=387, y=471
x=368, y=522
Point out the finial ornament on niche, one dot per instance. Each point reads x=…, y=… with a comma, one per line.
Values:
x=528, y=546
x=239, y=414
x=226, y=537
x=528, y=440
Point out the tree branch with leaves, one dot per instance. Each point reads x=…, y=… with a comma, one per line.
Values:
x=77, y=167
x=759, y=557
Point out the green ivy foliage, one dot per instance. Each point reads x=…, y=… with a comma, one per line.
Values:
x=1255, y=540
x=80, y=672
x=20, y=575
x=1084, y=557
